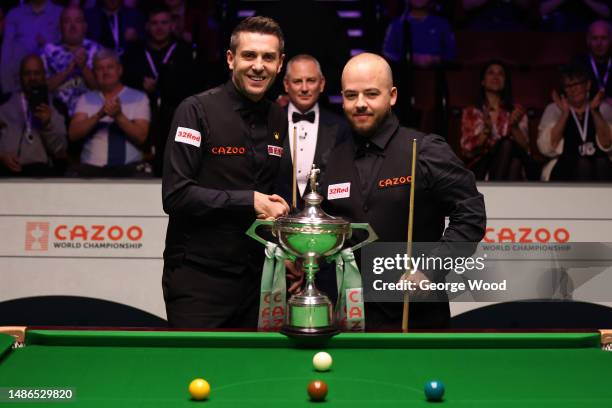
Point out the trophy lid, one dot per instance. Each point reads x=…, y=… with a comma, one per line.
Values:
x=312, y=214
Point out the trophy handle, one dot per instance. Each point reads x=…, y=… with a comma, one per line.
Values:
x=252, y=231
x=371, y=234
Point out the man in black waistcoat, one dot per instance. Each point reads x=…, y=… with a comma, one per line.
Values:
x=374, y=165
x=221, y=160
x=317, y=129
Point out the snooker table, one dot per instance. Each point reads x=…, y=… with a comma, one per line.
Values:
x=112, y=368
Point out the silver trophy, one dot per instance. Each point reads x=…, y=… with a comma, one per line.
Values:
x=310, y=235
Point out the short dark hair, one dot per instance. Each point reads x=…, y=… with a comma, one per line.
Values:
x=257, y=24
x=158, y=9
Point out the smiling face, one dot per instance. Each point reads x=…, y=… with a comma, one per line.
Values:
x=367, y=93
x=577, y=90
x=255, y=63
x=303, y=83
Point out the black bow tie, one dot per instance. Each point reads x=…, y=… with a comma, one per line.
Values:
x=309, y=117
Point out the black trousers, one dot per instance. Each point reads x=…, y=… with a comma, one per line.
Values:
x=203, y=297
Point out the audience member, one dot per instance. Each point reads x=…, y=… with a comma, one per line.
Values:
x=572, y=15
x=431, y=40
x=32, y=132
x=598, y=61
x=113, y=122
x=3, y=96
x=317, y=129
x=576, y=132
x=178, y=12
x=163, y=68
x=115, y=26
x=28, y=28
x=494, y=133
x=496, y=15
x=69, y=63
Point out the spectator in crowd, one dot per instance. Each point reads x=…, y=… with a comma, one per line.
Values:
x=494, y=133
x=163, y=68
x=598, y=61
x=572, y=15
x=575, y=131
x=69, y=63
x=178, y=12
x=430, y=36
x=496, y=15
x=32, y=132
x=318, y=130
x=114, y=26
x=3, y=96
x=28, y=28
x=113, y=122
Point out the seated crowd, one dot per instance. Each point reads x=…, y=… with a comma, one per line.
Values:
x=89, y=88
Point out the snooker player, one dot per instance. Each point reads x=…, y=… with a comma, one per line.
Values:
x=223, y=154
x=381, y=149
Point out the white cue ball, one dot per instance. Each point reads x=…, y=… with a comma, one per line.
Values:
x=322, y=361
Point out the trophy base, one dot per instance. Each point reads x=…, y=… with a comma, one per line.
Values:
x=309, y=336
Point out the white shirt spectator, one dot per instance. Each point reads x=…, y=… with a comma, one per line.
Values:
x=134, y=104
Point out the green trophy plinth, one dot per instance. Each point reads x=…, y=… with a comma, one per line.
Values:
x=310, y=235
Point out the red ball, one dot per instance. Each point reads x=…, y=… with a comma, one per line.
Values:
x=317, y=390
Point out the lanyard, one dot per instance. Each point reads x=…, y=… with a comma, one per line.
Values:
x=27, y=116
x=164, y=61
x=581, y=129
x=600, y=82
x=113, y=22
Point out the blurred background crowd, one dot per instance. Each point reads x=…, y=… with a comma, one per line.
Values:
x=520, y=89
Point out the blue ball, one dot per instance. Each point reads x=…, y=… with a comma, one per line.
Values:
x=434, y=390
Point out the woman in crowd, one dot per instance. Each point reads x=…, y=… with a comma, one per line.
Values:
x=575, y=131
x=494, y=139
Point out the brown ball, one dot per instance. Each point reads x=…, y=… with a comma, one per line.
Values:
x=317, y=390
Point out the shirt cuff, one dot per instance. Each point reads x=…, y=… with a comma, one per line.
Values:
x=241, y=198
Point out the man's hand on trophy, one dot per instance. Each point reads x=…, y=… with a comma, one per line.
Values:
x=269, y=206
x=295, y=276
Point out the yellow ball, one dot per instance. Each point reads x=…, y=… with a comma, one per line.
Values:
x=199, y=389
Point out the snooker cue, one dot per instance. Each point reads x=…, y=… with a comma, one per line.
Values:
x=410, y=225
x=294, y=190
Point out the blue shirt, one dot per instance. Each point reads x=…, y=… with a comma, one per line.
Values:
x=23, y=29
x=431, y=36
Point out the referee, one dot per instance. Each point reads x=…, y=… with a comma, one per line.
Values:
x=221, y=160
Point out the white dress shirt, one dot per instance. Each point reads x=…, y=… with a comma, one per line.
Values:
x=306, y=144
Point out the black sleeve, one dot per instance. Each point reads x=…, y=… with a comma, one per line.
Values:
x=181, y=193
x=454, y=189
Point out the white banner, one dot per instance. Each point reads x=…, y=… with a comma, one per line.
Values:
x=105, y=239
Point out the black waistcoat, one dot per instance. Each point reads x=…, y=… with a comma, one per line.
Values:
x=229, y=162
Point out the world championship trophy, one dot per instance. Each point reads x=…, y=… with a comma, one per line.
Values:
x=311, y=235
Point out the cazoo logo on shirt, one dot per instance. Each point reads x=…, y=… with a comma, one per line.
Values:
x=42, y=236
